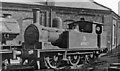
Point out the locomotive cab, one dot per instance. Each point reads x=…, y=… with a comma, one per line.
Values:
x=89, y=33
x=81, y=34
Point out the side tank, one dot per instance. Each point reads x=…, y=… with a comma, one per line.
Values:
x=82, y=34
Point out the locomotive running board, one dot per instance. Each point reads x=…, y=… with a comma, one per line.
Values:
x=78, y=53
x=60, y=50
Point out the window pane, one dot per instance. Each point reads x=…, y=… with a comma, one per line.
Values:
x=85, y=26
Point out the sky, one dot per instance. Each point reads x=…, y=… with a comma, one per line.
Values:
x=113, y=4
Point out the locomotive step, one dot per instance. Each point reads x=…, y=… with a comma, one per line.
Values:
x=114, y=67
x=115, y=64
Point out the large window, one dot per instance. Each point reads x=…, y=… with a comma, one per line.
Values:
x=113, y=32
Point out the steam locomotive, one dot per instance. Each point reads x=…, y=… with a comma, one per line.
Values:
x=54, y=47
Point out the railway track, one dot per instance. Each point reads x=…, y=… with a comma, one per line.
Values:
x=104, y=63
x=84, y=67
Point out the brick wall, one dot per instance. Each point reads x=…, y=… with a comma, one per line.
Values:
x=22, y=12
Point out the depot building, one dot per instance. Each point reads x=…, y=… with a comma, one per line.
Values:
x=22, y=11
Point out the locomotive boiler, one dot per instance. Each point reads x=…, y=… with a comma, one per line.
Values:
x=54, y=47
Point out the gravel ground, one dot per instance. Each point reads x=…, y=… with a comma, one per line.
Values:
x=103, y=63
x=100, y=64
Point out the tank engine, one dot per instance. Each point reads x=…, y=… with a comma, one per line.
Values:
x=9, y=31
x=54, y=47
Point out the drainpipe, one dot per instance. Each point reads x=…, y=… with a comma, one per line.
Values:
x=50, y=17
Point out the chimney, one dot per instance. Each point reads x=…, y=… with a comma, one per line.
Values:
x=36, y=15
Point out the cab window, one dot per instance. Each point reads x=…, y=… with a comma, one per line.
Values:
x=85, y=26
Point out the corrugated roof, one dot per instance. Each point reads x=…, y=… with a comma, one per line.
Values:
x=22, y=1
x=71, y=0
x=86, y=5
x=38, y=2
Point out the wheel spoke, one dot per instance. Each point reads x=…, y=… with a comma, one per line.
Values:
x=53, y=62
x=74, y=60
x=91, y=56
x=87, y=58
